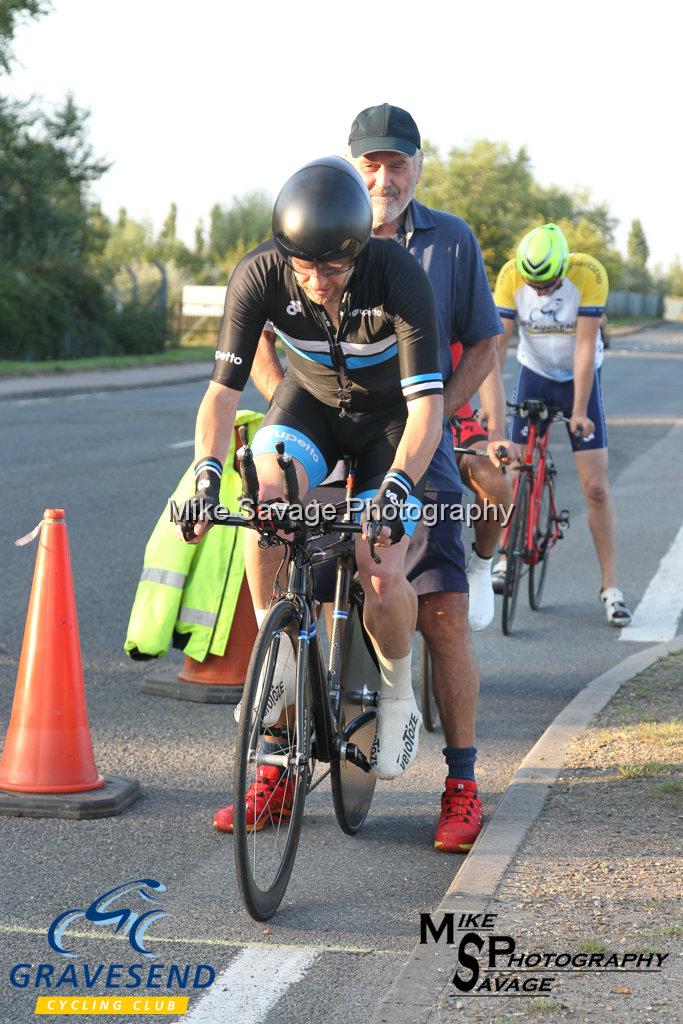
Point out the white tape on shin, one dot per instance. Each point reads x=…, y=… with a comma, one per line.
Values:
x=398, y=720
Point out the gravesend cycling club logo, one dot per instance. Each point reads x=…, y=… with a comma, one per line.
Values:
x=103, y=911
x=489, y=963
x=125, y=913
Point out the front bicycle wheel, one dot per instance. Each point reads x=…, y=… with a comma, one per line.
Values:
x=268, y=809
x=430, y=712
x=515, y=555
x=544, y=539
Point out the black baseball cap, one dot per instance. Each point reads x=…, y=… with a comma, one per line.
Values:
x=384, y=127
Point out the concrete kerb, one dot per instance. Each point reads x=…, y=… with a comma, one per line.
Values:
x=413, y=995
x=86, y=381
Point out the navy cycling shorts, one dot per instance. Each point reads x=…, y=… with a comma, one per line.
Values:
x=317, y=436
x=560, y=393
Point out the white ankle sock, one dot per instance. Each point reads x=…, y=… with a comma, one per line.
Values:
x=479, y=564
x=398, y=720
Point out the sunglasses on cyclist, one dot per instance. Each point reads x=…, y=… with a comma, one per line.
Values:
x=543, y=287
x=304, y=268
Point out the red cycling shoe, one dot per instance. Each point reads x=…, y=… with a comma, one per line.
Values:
x=461, y=817
x=269, y=801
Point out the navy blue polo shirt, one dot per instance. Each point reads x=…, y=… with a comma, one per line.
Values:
x=449, y=252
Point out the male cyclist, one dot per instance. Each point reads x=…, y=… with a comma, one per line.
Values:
x=358, y=319
x=558, y=298
x=384, y=146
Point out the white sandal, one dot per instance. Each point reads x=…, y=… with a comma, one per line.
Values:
x=617, y=611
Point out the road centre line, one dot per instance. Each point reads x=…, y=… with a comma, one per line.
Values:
x=203, y=940
x=252, y=984
x=182, y=444
x=656, y=617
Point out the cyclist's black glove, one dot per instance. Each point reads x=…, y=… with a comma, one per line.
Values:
x=207, y=476
x=386, y=506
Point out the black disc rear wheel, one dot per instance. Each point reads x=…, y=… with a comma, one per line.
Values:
x=515, y=555
x=430, y=712
x=352, y=788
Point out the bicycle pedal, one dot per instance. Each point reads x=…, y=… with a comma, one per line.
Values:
x=562, y=517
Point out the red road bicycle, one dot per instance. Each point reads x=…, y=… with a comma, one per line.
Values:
x=536, y=524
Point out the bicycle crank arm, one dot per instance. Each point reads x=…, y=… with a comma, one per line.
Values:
x=350, y=752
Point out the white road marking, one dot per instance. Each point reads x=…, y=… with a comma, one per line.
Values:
x=656, y=617
x=251, y=985
x=182, y=444
x=644, y=421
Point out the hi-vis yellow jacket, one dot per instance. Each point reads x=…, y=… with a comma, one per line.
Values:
x=189, y=590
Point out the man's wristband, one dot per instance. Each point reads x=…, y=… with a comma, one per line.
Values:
x=398, y=481
x=207, y=476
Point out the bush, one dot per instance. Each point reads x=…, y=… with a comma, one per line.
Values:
x=52, y=313
x=137, y=330
x=63, y=312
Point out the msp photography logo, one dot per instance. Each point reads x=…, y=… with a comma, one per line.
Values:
x=489, y=963
x=122, y=912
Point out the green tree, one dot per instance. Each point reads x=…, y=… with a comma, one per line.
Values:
x=199, y=238
x=488, y=185
x=494, y=190
x=637, y=247
x=168, y=231
x=584, y=235
x=46, y=170
x=241, y=226
x=12, y=14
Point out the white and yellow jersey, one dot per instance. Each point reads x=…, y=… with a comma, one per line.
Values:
x=547, y=323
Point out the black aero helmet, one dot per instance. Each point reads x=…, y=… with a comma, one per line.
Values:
x=322, y=213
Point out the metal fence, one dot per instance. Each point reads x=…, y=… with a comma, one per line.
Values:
x=627, y=303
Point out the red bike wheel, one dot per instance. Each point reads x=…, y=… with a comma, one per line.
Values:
x=546, y=531
x=514, y=553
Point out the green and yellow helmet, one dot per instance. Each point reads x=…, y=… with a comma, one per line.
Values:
x=543, y=254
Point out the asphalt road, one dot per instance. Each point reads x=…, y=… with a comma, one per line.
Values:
x=353, y=904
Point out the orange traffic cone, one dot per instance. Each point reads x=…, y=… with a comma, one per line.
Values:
x=48, y=752
x=219, y=679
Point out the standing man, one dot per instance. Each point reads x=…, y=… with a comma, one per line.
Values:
x=385, y=148
x=559, y=298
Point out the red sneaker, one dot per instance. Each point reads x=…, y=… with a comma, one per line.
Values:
x=269, y=801
x=461, y=817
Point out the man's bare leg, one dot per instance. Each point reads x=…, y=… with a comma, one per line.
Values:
x=591, y=467
x=442, y=619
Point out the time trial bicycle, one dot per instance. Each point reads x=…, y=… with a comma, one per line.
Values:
x=332, y=717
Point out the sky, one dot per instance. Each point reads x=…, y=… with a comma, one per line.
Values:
x=195, y=103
